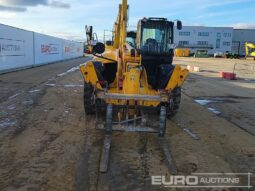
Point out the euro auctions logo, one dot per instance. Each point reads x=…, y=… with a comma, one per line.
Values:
x=50, y=49
x=175, y=181
x=12, y=47
x=204, y=180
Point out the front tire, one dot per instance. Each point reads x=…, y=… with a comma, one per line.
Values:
x=172, y=108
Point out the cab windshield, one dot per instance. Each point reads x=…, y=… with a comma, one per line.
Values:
x=131, y=41
x=156, y=39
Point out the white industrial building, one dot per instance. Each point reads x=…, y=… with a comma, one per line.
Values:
x=214, y=39
x=240, y=37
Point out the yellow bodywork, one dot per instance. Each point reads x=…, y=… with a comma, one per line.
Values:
x=134, y=82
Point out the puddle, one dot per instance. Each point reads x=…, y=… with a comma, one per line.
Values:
x=11, y=107
x=7, y=123
x=51, y=85
x=33, y=91
x=51, y=79
x=28, y=102
x=73, y=86
x=66, y=86
x=204, y=101
x=13, y=96
x=190, y=133
x=215, y=111
x=69, y=71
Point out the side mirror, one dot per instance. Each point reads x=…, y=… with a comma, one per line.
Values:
x=99, y=48
x=179, y=25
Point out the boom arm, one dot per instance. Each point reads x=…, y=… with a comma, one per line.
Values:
x=120, y=26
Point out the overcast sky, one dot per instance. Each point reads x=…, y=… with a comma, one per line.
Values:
x=67, y=18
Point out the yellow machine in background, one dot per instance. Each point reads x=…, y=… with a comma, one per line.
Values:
x=91, y=39
x=132, y=75
x=250, y=50
x=182, y=52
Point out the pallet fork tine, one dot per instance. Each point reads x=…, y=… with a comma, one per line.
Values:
x=108, y=128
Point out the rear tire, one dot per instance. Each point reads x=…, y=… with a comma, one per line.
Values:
x=173, y=108
x=87, y=99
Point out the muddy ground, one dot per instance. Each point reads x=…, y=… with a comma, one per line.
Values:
x=47, y=142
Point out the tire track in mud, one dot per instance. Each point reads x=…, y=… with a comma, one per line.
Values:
x=88, y=169
x=135, y=157
x=143, y=151
x=9, y=134
x=124, y=171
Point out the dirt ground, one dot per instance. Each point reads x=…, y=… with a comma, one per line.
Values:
x=47, y=142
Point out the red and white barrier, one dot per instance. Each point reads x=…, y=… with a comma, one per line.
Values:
x=193, y=69
x=228, y=75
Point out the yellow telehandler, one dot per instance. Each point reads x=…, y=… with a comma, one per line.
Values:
x=250, y=50
x=134, y=79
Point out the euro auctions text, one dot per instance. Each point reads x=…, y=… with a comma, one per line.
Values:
x=204, y=180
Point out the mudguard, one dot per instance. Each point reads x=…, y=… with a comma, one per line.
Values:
x=91, y=72
x=178, y=77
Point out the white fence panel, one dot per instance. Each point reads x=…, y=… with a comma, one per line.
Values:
x=16, y=48
x=79, y=49
x=47, y=49
x=72, y=49
x=24, y=49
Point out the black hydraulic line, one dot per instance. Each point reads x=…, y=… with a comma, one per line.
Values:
x=104, y=58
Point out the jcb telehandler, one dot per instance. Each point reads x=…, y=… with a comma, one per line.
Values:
x=250, y=51
x=132, y=77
